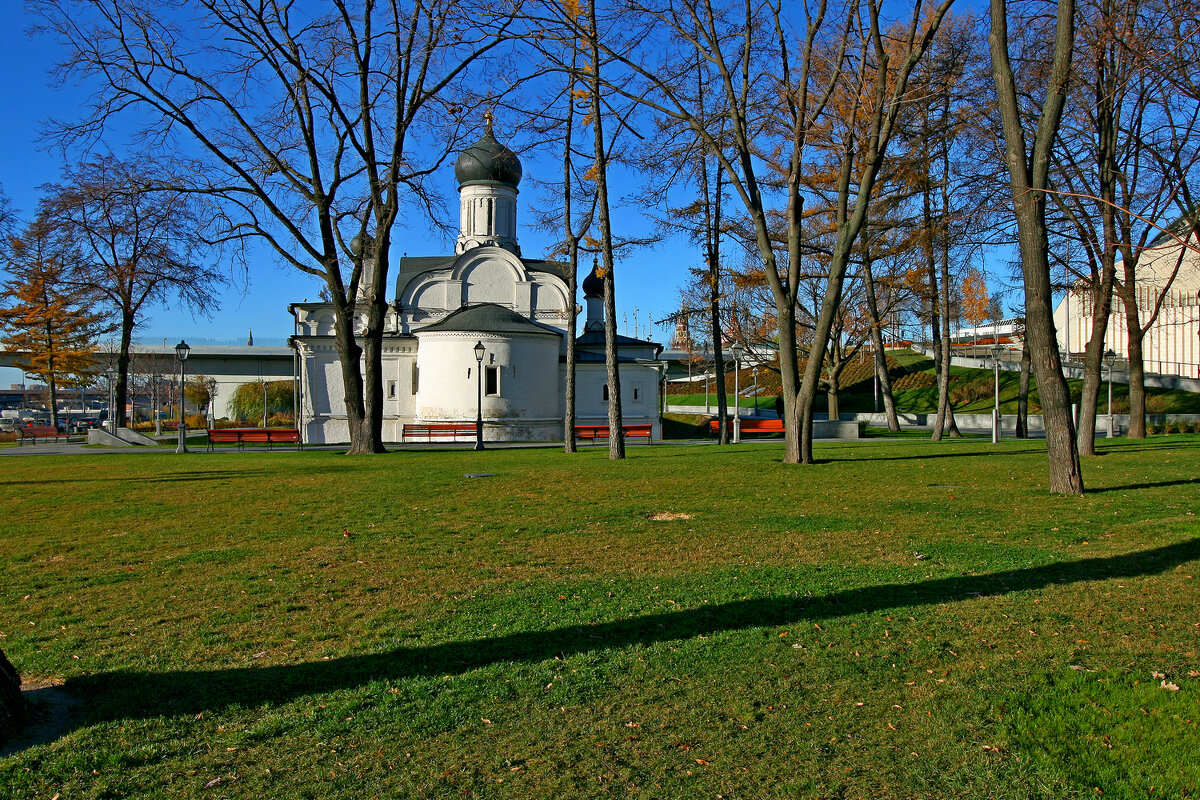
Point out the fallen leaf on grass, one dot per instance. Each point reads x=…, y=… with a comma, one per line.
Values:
x=669, y=516
x=1170, y=687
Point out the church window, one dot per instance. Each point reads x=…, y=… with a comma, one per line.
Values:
x=391, y=390
x=637, y=393
x=415, y=376
x=604, y=393
x=491, y=380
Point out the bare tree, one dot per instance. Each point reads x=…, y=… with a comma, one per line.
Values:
x=137, y=247
x=1128, y=153
x=1029, y=164
x=303, y=124
x=775, y=100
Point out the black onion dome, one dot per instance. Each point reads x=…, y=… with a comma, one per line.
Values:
x=487, y=161
x=593, y=284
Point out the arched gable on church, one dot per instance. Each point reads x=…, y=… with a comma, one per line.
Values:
x=429, y=289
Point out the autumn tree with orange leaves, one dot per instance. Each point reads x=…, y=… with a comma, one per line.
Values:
x=44, y=320
x=975, y=302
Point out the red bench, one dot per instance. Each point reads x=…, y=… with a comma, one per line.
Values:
x=595, y=432
x=770, y=426
x=438, y=430
x=33, y=432
x=244, y=436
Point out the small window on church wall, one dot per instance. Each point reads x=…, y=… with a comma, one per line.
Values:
x=604, y=393
x=391, y=390
x=491, y=380
x=415, y=377
x=637, y=393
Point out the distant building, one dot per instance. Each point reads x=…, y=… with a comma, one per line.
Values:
x=1172, y=344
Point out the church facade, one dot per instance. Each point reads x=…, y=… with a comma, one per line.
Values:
x=484, y=293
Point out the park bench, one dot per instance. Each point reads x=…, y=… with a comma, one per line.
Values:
x=34, y=432
x=594, y=432
x=244, y=436
x=438, y=430
x=769, y=426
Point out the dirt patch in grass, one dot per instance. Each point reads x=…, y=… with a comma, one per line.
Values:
x=669, y=516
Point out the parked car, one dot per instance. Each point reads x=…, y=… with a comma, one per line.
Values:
x=8, y=425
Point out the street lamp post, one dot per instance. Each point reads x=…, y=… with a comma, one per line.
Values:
x=997, y=349
x=756, y=391
x=479, y=350
x=154, y=401
x=1110, y=358
x=181, y=352
x=737, y=395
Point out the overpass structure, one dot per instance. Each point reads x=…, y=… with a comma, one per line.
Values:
x=229, y=366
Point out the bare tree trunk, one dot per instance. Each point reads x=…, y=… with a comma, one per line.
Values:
x=616, y=437
x=789, y=379
x=1137, y=366
x=1093, y=364
x=831, y=394
x=572, y=242
x=123, y=358
x=350, y=351
x=1023, y=393
x=713, y=232
x=572, y=321
x=877, y=352
x=945, y=413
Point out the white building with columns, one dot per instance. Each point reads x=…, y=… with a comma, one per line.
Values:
x=1168, y=276
x=487, y=293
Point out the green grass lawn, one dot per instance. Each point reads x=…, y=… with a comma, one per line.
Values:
x=903, y=620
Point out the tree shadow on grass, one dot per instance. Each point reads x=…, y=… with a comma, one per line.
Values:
x=172, y=477
x=1149, y=485
x=141, y=695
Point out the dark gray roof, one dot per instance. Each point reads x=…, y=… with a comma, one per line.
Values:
x=487, y=161
x=596, y=339
x=489, y=318
x=593, y=284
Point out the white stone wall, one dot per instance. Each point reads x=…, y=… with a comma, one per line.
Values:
x=639, y=395
x=528, y=405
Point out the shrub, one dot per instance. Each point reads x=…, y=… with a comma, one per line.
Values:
x=247, y=401
x=915, y=380
x=964, y=392
x=1155, y=404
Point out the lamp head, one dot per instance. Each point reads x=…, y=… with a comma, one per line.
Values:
x=1110, y=357
x=479, y=350
x=182, y=350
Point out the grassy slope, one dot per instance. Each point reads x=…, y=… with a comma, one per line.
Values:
x=857, y=386
x=311, y=625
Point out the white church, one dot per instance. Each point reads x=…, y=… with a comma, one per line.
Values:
x=485, y=293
